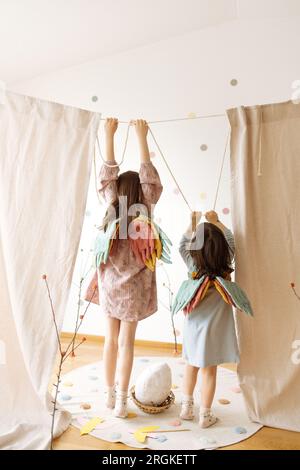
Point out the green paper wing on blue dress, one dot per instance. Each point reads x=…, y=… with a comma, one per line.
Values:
x=185, y=293
x=165, y=243
x=238, y=296
x=103, y=243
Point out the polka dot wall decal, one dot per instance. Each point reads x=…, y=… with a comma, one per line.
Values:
x=176, y=191
x=94, y=98
x=94, y=390
x=226, y=210
x=177, y=332
x=152, y=154
x=144, y=359
x=234, y=82
x=93, y=377
x=236, y=389
x=203, y=195
x=192, y=115
x=87, y=213
x=203, y=147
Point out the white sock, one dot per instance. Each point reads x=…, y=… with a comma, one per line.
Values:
x=121, y=404
x=187, y=407
x=110, y=396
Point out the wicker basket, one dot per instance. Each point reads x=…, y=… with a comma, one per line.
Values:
x=153, y=409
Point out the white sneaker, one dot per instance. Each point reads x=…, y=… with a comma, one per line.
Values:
x=207, y=419
x=120, y=410
x=110, y=397
x=187, y=409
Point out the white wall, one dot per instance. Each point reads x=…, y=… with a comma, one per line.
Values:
x=170, y=79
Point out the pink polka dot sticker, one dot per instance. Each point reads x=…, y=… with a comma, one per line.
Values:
x=191, y=115
x=226, y=211
x=152, y=154
x=203, y=196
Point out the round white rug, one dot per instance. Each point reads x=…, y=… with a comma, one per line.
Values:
x=81, y=393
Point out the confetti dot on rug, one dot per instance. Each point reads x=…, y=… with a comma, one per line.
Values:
x=162, y=439
x=85, y=406
x=240, y=430
x=65, y=397
x=116, y=436
x=94, y=98
x=192, y=115
x=175, y=422
x=234, y=82
x=224, y=401
x=131, y=415
x=207, y=441
x=68, y=384
x=226, y=210
x=93, y=377
x=203, y=147
x=152, y=154
x=236, y=389
x=203, y=195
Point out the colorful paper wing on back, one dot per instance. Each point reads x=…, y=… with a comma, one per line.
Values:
x=104, y=243
x=186, y=293
x=148, y=242
x=238, y=296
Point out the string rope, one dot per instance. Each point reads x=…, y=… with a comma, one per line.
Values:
x=221, y=171
x=163, y=157
x=124, y=150
x=205, y=116
x=169, y=169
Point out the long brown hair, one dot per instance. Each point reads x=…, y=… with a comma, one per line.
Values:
x=214, y=258
x=128, y=184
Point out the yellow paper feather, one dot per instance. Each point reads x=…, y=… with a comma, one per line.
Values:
x=90, y=425
x=141, y=433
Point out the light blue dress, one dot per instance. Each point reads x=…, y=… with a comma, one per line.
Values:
x=209, y=336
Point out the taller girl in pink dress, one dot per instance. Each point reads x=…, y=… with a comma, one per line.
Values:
x=127, y=288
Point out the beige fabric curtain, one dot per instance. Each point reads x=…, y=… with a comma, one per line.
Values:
x=265, y=170
x=46, y=152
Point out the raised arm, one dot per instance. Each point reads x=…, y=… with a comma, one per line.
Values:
x=149, y=177
x=185, y=242
x=213, y=218
x=109, y=174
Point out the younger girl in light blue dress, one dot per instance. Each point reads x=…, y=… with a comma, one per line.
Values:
x=209, y=336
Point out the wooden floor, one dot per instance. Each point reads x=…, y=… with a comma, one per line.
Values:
x=90, y=351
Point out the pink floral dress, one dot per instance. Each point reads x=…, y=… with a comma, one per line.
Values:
x=127, y=289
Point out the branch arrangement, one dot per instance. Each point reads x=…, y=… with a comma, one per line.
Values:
x=70, y=348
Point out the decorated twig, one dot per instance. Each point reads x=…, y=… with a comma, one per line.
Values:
x=71, y=347
x=167, y=285
x=293, y=286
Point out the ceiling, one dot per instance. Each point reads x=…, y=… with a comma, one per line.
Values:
x=41, y=36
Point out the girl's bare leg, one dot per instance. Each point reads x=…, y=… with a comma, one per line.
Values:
x=110, y=353
x=189, y=383
x=208, y=388
x=125, y=361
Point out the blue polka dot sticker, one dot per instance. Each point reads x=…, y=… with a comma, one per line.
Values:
x=116, y=436
x=65, y=397
x=240, y=430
